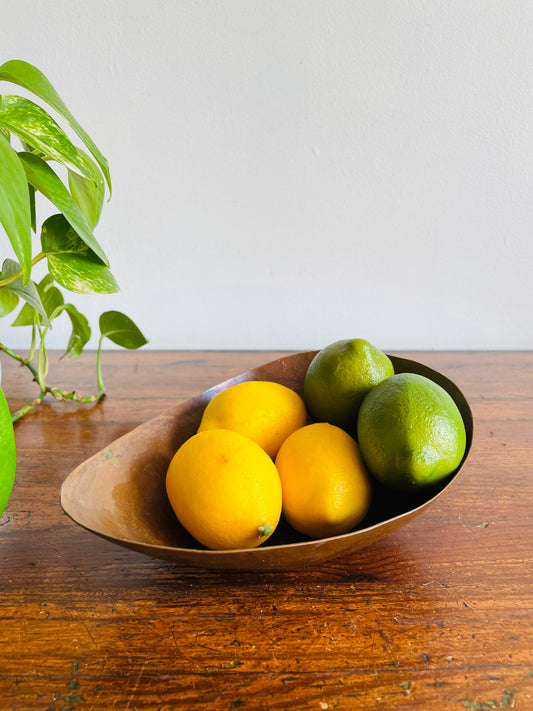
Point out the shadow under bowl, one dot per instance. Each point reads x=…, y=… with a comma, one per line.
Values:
x=119, y=493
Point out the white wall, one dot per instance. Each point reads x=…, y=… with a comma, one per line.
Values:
x=292, y=172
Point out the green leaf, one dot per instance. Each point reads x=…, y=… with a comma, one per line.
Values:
x=120, y=329
x=8, y=301
x=51, y=299
x=43, y=178
x=27, y=316
x=31, y=189
x=28, y=291
x=26, y=75
x=33, y=213
x=45, y=283
x=32, y=124
x=8, y=460
x=59, y=237
x=81, y=332
x=80, y=273
x=15, y=213
x=88, y=194
x=71, y=262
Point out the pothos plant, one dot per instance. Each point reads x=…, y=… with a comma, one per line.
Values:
x=37, y=156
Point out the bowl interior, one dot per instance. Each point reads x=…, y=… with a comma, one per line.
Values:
x=119, y=493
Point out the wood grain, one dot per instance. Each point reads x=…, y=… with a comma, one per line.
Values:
x=438, y=615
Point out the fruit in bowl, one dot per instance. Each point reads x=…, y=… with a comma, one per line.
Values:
x=119, y=492
x=339, y=377
x=326, y=487
x=225, y=490
x=255, y=456
x=264, y=411
x=411, y=432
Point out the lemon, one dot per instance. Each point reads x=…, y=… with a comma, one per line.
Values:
x=339, y=377
x=326, y=487
x=410, y=432
x=264, y=411
x=8, y=454
x=225, y=490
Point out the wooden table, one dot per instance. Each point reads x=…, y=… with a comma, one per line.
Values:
x=439, y=615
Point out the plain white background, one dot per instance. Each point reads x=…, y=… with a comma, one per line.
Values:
x=291, y=172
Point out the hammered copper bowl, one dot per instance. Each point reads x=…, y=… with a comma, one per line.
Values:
x=119, y=493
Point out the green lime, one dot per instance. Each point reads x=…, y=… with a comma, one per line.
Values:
x=8, y=455
x=410, y=431
x=339, y=377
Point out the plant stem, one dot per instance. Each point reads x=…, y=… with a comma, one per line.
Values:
x=32, y=345
x=99, y=378
x=42, y=368
x=23, y=411
x=57, y=393
x=17, y=275
x=20, y=359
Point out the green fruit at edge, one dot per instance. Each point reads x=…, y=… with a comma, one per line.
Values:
x=410, y=431
x=339, y=377
x=8, y=454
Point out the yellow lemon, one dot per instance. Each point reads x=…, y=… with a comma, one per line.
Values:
x=338, y=378
x=264, y=411
x=410, y=432
x=225, y=490
x=326, y=488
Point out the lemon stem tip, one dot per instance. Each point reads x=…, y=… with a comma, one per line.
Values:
x=265, y=530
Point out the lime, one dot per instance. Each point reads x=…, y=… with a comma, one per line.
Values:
x=410, y=431
x=8, y=455
x=339, y=377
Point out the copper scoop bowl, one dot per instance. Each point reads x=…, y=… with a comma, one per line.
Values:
x=119, y=493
